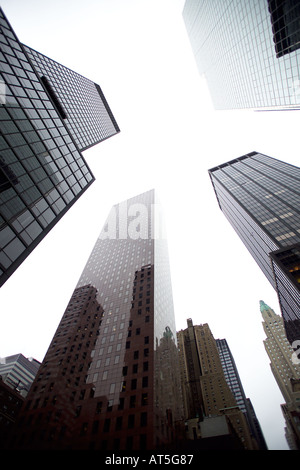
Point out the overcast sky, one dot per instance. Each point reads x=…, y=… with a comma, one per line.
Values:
x=138, y=52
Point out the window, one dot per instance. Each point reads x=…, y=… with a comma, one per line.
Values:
x=145, y=381
x=130, y=421
x=133, y=384
x=106, y=425
x=119, y=423
x=110, y=405
x=95, y=427
x=144, y=399
x=84, y=428
x=99, y=407
x=143, y=419
x=132, y=401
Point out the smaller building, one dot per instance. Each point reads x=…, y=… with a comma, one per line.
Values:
x=286, y=370
x=18, y=372
x=11, y=402
x=16, y=376
x=207, y=397
x=235, y=384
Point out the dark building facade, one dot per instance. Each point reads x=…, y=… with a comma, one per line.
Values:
x=234, y=382
x=260, y=197
x=248, y=51
x=110, y=379
x=10, y=406
x=48, y=115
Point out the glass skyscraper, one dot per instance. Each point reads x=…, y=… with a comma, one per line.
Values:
x=234, y=382
x=248, y=51
x=110, y=377
x=48, y=115
x=260, y=197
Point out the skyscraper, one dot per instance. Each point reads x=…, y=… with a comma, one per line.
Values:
x=110, y=377
x=286, y=371
x=48, y=115
x=248, y=51
x=234, y=382
x=260, y=197
x=206, y=393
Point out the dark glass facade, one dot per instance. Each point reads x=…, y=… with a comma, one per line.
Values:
x=84, y=109
x=42, y=171
x=248, y=51
x=285, y=18
x=234, y=382
x=260, y=197
x=110, y=377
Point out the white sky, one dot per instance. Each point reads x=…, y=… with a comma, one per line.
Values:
x=138, y=51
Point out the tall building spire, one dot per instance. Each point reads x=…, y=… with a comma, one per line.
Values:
x=263, y=306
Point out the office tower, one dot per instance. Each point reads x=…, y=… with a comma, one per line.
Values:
x=234, y=382
x=48, y=115
x=248, y=51
x=260, y=197
x=110, y=378
x=286, y=371
x=207, y=397
x=18, y=372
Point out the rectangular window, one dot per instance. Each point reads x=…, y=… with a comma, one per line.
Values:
x=99, y=407
x=95, y=427
x=106, y=425
x=133, y=384
x=130, y=421
x=119, y=423
x=143, y=419
x=145, y=381
x=132, y=401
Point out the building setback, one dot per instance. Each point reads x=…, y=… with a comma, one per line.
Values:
x=260, y=197
x=248, y=51
x=48, y=115
x=110, y=378
x=286, y=370
x=211, y=410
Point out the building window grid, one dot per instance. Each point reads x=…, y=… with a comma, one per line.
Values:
x=17, y=129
